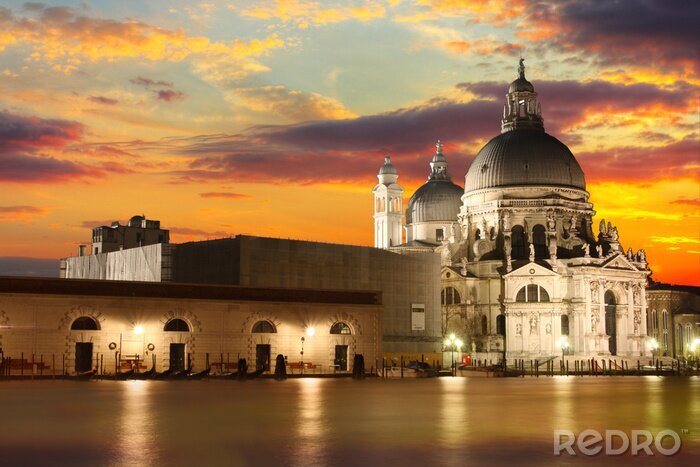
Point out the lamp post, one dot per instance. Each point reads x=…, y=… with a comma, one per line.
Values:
x=563, y=343
x=452, y=342
x=694, y=347
x=653, y=346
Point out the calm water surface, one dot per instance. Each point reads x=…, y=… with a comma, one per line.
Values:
x=445, y=421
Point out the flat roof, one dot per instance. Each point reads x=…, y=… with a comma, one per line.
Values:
x=91, y=287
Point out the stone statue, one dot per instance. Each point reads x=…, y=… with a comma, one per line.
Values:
x=601, y=227
x=533, y=324
x=463, y=271
x=614, y=235
x=453, y=234
x=610, y=226
x=532, y=252
x=599, y=250
x=548, y=328
x=594, y=291
x=586, y=250
x=630, y=255
x=641, y=256
x=506, y=220
x=518, y=329
x=572, y=227
x=473, y=347
x=594, y=322
x=637, y=320
x=636, y=296
x=551, y=222
x=484, y=228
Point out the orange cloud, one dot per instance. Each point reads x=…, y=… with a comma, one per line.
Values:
x=296, y=106
x=305, y=13
x=20, y=213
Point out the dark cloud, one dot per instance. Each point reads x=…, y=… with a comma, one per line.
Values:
x=169, y=95
x=190, y=232
x=103, y=100
x=147, y=82
x=678, y=159
x=15, y=213
x=648, y=33
x=687, y=201
x=29, y=132
x=23, y=168
x=224, y=195
x=566, y=103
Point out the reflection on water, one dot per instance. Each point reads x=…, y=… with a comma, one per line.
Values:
x=445, y=421
x=136, y=441
x=310, y=423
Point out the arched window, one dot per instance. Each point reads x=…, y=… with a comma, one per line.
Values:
x=450, y=296
x=532, y=293
x=492, y=233
x=177, y=325
x=688, y=334
x=518, y=243
x=539, y=240
x=501, y=325
x=477, y=234
x=340, y=328
x=664, y=315
x=264, y=327
x=564, y=325
x=679, y=337
x=484, y=325
x=654, y=322
x=84, y=323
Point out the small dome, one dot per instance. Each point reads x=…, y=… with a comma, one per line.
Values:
x=437, y=200
x=520, y=85
x=388, y=168
x=524, y=157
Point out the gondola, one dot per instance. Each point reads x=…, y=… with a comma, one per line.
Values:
x=167, y=374
x=146, y=374
x=201, y=375
x=84, y=376
x=122, y=376
x=253, y=375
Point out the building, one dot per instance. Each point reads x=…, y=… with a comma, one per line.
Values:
x=674, y=319
x=410, y=284
x=139, y=231
x=523, y=273
x=55, y=325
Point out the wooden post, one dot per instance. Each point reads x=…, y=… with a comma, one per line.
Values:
x=53, y=366
x=401, y=366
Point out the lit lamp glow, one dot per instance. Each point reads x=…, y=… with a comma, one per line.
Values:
x=453, y=343
x=310, y=331
x=653, y=345
x=138, y=329
x=563, y=344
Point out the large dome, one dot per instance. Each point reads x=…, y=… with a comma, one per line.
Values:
x=524, y=157
x=437, y=200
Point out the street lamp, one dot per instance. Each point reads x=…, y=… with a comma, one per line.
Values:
x=653, y=346
x=563, y=343
x=452, y=342
x=695, y=346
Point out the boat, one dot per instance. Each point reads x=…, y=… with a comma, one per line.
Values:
x=201, y=375
x=146, y=374
x=163, y=374
x=122, y=376
x=255, y=373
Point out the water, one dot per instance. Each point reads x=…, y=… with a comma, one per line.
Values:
x=444, y=421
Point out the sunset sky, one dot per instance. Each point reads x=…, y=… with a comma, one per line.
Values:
x=272, y=117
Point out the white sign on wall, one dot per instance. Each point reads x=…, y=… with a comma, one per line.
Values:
x=417, y=317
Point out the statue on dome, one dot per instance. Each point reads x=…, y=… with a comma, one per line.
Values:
x=630, y=255
x=521, y=68
x=601, y=227
x=599, y=250
x=614, y=235
x=586, y=250
x=532, y=252
x=641, y=256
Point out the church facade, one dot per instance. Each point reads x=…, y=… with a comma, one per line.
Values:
x=523, y=274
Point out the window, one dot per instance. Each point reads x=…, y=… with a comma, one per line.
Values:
x=97, y=250
x=84, y=323
x=688, y=334
x=654, y=322
x=539, y=240
x=501, y=325
x=518, y=243
x=340, y=328
x=564, y=325
x=484, y=325
x=176, y=325
x=450, y=296
x=664, y=315
x=264, y=327
x=439, y=235
x=532, y=293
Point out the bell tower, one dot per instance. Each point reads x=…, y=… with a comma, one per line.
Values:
x=388, y=207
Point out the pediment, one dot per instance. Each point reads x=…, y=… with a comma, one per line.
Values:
x=531, y=270
x=619, y=261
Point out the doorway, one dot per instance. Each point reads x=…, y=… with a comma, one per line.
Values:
x=262, y=357
x=611, y=321
x=341, y=358
x=177, y=357
x=83, y=357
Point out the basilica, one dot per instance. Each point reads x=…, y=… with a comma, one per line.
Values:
x=523, y=274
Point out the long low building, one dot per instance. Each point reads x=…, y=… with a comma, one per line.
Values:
x=73, y=325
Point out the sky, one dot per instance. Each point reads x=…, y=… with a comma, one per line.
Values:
x=272, y=118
